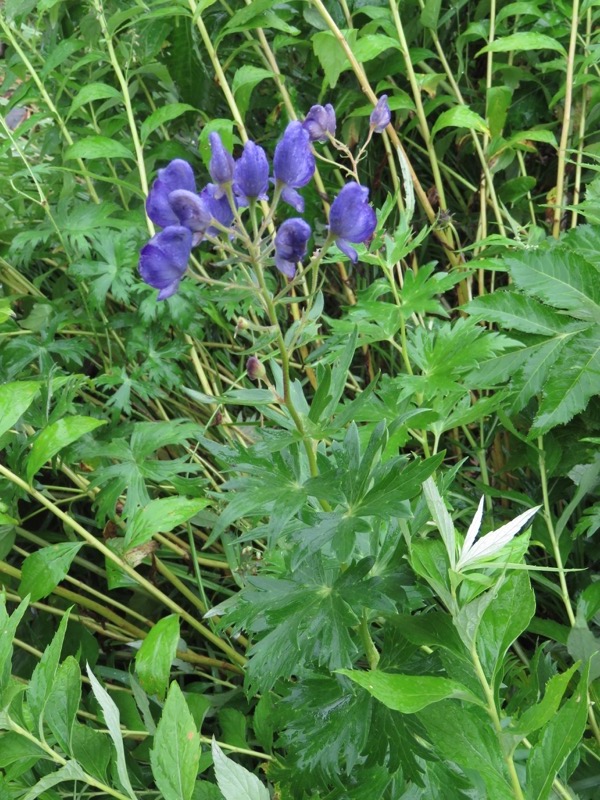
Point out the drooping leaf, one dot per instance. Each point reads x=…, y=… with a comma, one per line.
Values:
x=45, y=568
x=153, y=659
x=71, y=771
x=176, y=749
x=541, y=713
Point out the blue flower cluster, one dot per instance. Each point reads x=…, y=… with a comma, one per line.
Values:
x=187, y=216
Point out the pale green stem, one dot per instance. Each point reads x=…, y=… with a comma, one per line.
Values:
x=566, y=122
x=582, y=121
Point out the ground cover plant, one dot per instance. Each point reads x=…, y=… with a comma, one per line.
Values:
x=300, y=359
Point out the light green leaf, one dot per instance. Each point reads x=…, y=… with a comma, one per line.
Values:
x=523, y=41
x=42, y=679
x=162, y=514
x=332, y=58
x=98, y=147
x=113, y=723
x=15, y=399
x=518, y=312
x=244, y=81
x=504, y=620
x=460, y=117
x=91, y=92
x=154, y=658
x=161, y=115
x=373, y=45
x=441, y=517
x=56, y=436
x=8, y=627
x=63, y=702
x=71, y=771
x=234, y=781
x=408, y=693
x=541, y=713
x=497, y=103
x=176, y=749
x=560, y=737
x=430, y=14
x=44, y=569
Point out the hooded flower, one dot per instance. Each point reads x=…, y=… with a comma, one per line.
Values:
x=381, y=116
x=290, y=245
x=192, y=211
x=293, y=163
x=176, y=175
x=221, y=166
x=319, y=122
x=218, y=205
x=163, y=261
x=251, y=174
x=351, y=218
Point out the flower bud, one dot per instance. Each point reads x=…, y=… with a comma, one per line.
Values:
x=381, y=116
x=319, y=122
x=254, y=369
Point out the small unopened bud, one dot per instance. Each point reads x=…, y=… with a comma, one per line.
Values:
x=254, y=369
x=241, y=325
x=381, y=116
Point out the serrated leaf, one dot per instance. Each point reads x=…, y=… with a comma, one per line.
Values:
x=42, y=679
x=523, y=41
x=161, y=115
x=460, y=117
x=154, y=658
x=235, y=781
x=98, y=147
x=541, y=713
x=575, y=380
x=15, y=399
x=71, y=771
x=56, y=436
x=559, y=277
x=44, y=569
x=63, y=703
x=408, y=693
x=518, y=312
x=372, y=45
x=162, y=514
x=176, y=749
x=113, y=723
x=8, y=627
x=332, y=58
x=560, y=737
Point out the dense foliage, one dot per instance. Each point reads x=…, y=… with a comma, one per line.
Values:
x=318, y=519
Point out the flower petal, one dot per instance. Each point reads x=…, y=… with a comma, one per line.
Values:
x=163, y=261
x=191, y=210
x=293, y=199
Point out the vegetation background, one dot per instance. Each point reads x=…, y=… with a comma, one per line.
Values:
x=354, y=647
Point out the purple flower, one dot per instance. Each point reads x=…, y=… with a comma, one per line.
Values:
x=218, y=205
x=290, y=245
x=163, y=261
x=176, y=175
x=192, y=211
x=320, y=121
x=351, y=218
x=293, y=163
x=251, y=174
x=254, y=369
x=381, y=116
x=221, y=164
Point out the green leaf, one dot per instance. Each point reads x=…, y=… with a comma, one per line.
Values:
x=561, y=278
x=98, y=147
x=8, y=627
x=154, y=658
x=430, y=14
x=372, y=45
x=63, y=703
x=518, y=312
x=464, y=735
x=541, y=713
x=56, y=436
x=523, y=41
x=408, y=693
x=560, y=737
x=332, y=58
x=162, y=514
x=71, y=771
x=91, y=92
x=575, y=380
x=113, y=723
x=460, y=117
x=234, y=781
x=176, y=749
x=504, y=620
x=161, y=115
x=441, y=517
x=15, y=399
x=498, y=100
x=244, y=81
x=44, y=569
x=92, y=749
x=44, y=674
